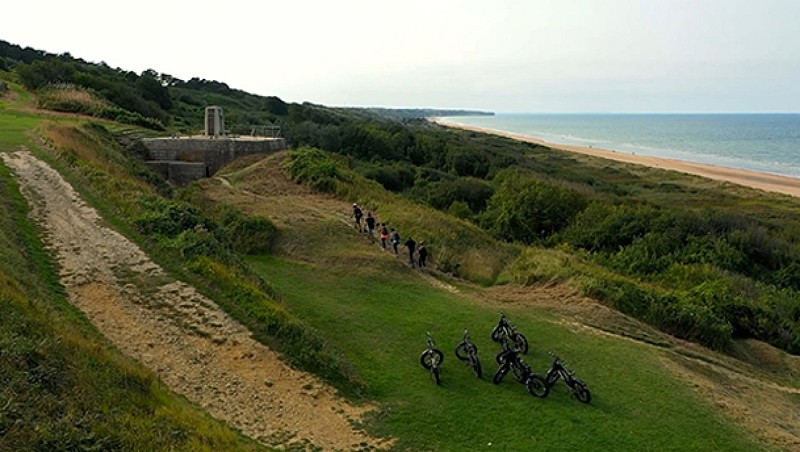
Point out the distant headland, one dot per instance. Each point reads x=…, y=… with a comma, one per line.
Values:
x=410, y=113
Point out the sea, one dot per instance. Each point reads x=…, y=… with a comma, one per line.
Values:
x=768, y=143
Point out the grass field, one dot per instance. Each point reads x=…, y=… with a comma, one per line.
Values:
x=378, y=316
x=14, y=127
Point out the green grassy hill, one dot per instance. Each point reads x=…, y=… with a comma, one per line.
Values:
x=376, y=309
x=337, y=305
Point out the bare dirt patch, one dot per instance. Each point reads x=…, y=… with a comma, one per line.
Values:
x=184, y=337
x=280, y=198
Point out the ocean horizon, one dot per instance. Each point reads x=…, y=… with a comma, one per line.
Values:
x=762, y=142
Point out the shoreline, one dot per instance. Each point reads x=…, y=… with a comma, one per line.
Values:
x=753, y=179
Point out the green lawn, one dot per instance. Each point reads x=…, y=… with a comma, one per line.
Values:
x=14, y=126
x=379, y=319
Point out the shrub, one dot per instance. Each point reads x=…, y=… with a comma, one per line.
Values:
x=788, y=276
x=197, y=242
x=128, y=117
x=369, y=141
x=395, y=178
x=72, y=99
x=608, y=227
x=686, y=317
x=713, y=250
x=315, y=168
x=691, y=319
x=460, y=209
x=467, y=162
x=475, y=193
x=248, y=235
x=648, y=255
x=170, y=218
x=761, y=248
x=529, y=210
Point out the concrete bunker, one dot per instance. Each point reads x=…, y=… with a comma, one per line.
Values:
x=182, y=159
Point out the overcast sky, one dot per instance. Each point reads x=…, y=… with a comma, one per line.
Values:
x=499, y=55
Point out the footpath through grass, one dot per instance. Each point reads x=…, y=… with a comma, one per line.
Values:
x=378, y=317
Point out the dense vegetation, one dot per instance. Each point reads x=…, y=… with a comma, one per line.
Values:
x=701, y=261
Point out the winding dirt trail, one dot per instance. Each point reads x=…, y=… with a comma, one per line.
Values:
x=184, y=337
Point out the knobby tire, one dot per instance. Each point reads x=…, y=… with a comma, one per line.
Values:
x=462, y=351
x=537, y=386
x=520, y=342
x=499, y=375
x=427, y=358
x=581, y=391
x=476, y=367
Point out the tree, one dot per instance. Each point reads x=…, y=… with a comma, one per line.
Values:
x=529, y=210
x=151, y=88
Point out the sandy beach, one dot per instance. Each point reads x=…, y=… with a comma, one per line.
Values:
x=764, y=181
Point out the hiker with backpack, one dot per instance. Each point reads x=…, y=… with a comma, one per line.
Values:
x=394, y=237
x=384, y=231
x=358, y=214
x=422, y=253
x=412, y=246
x=370, y=227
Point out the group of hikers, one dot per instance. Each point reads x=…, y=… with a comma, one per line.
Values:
x=417, y=252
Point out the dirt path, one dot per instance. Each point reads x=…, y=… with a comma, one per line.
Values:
x=186, y=339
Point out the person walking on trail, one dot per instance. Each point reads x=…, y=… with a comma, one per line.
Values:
x=412, y=246
x=384, y=231
x=422, y=252
x=395, y=239
x=371, y=227
x=358, y=214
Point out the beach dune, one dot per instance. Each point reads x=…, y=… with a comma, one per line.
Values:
x=753, y=179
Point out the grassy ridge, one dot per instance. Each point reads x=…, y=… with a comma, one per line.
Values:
x=459, y=247
x=116, y=182
x=379, y=320
x=674, y=270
